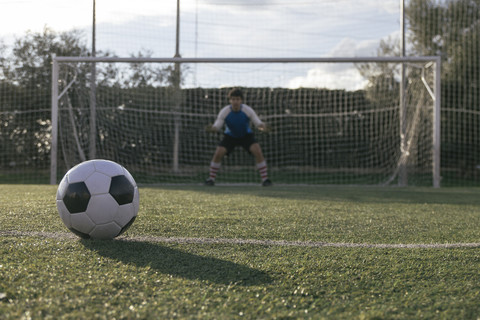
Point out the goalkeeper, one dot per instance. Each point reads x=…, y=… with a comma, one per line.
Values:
x=236, y=118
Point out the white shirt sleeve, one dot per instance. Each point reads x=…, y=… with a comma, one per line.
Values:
x=221, y=118
x=252, y=115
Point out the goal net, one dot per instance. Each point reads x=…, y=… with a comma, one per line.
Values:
x=333, y=121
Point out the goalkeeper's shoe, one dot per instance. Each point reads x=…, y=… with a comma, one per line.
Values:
x=209, y=182
x=267, y=183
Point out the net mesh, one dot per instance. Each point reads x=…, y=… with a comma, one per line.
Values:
x=319, y=135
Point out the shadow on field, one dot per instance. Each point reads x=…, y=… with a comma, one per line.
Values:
x=177, y=262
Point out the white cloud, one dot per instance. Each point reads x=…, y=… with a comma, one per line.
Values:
x=338, y=75
x=19, y=16
x=16, y=17
x=124, y=11
x=345, y=77
x=223, y=28
x=352, y=48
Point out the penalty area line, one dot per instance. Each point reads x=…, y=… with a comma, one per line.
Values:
x=280, y=243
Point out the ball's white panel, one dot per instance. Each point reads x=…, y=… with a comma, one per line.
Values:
x=62, y=188
x=64, y=214
x=129, y=176
x=125, y=213
x=105, y=231
x=102, y=208
x=82, y=223
x=98, y=183
x=80, y=172
x=107, y=167
x=136, y=200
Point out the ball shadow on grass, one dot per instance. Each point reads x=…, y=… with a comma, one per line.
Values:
x=177, y=263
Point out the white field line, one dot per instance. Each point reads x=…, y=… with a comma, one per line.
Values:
x=283, y=243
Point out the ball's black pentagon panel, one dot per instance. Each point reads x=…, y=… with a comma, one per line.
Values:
x=76, y=197
x=122, y=190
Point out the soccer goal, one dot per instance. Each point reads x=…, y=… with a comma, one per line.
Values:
x=333, y=120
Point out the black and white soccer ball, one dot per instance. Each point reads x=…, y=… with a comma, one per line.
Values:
x=98, y=199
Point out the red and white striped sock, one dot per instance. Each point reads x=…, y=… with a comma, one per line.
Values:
x=262, y=168
x=214, y=167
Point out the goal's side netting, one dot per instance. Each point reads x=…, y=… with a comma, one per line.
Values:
x=333, y=121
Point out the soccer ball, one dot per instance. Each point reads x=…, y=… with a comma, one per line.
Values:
x=98, y=199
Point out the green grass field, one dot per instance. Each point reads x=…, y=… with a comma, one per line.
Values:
x=248, y=252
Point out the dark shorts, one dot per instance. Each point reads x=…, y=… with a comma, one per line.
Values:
x=230, y=142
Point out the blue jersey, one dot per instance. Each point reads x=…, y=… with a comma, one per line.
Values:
x=237, y=123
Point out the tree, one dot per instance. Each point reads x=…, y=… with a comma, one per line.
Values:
x=26, y=81
x=30, y=63
x=451, y=29
x=383, y=85
x=26, y=89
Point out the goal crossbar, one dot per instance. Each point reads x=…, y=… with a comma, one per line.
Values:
x=435, y=59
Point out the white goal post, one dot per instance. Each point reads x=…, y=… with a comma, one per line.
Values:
x=321, y=135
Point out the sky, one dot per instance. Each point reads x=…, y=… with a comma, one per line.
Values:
x=224, y=28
